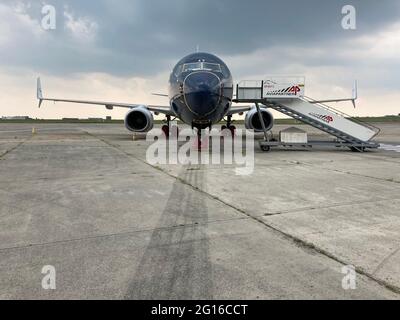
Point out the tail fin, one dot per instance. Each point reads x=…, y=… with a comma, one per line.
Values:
x=39, y=92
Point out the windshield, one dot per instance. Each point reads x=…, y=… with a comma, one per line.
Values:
x=195, y=66
x=192, y=66
x=212, y=66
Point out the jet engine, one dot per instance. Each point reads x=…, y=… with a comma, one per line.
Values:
x=139, y=120
x=252, y=120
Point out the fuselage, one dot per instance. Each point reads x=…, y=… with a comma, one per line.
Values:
x=200, y=90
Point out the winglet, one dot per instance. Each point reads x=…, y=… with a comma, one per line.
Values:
x=355, y=94
x=39, y=92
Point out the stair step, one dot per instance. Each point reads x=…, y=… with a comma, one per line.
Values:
x=315, y=123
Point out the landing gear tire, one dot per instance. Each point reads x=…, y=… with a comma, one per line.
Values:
x=265, y=148
x=233, y=130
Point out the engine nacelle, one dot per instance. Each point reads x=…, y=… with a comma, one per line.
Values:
x=252, y=120
x=139, y=120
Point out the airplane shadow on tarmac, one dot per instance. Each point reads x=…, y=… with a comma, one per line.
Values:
x=176, y=262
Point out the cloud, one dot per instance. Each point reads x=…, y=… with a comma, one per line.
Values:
x=372, y=59
x=381, y=45
x=142, y=37
x=115, y=42
x=81, y=28
x=16, y=25
x=21, y=94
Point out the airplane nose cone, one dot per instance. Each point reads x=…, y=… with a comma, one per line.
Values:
x=202, y=92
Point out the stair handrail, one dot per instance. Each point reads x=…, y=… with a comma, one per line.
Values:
x=376, y=129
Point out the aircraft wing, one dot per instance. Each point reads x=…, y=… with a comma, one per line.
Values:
x=352, y=99
x=235, y=110
x=109, y=105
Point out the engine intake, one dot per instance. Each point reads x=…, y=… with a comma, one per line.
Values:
x=139, y=120
x=252, y=120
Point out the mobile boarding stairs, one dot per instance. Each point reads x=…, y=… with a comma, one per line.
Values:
x=286, y=95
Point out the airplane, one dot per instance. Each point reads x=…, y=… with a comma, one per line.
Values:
x=200, y=95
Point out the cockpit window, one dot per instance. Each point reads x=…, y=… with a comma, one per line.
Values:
x=211, y=66
x=192, y=66
x=196, y=66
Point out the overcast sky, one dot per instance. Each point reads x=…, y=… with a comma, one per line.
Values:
x=123, y=50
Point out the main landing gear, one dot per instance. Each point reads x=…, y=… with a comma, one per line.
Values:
x=265, y=148
x=165, y=128
x=168, y=130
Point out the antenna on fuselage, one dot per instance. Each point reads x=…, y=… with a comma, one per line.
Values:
x=197, y=48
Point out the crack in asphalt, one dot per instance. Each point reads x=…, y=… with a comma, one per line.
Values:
x=386, y=259
x=117, y=234
x=333, y=205
x=352, y=173
x=13, y=148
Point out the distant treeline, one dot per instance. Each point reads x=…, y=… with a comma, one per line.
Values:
x=277, y=121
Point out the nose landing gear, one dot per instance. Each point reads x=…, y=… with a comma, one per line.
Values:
x=229, y=126
x=199, y=142
x=166, y=128
x=202, y=143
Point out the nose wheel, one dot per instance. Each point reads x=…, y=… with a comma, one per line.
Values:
x=229, y=126
x=233, y=130
x=201, y=142
x=199, y=139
